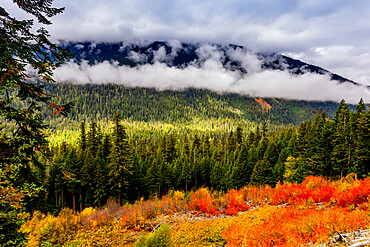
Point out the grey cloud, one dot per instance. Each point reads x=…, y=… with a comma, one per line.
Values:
x=297, y=27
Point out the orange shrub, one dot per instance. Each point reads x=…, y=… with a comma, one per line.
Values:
x=202, y=201
x=290, y=226
x=236, y=202
x=356, y=195
x=314, y=181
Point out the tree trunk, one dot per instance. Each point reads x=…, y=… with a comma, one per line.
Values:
x=80, y=203
x=62, y=197
x=56, y=194
x=74, y=202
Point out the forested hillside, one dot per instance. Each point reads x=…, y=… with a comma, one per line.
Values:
x=200, y=108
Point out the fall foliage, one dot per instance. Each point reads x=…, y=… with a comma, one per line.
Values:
x=291, y=214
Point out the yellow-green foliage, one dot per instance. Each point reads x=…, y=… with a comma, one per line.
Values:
x=162, y=237
x=201, y=233
x=70, y=229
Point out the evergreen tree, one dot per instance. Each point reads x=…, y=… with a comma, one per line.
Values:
x=92, y=139
x=120, y=166
x=83, y=137
x=361, y=156
x=318, y=155
x=342, y=140
x=242, y=169
x=153, y=178
x=262, y=173
x=22, y=47
x=73, y=176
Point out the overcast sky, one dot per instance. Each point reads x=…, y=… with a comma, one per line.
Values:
x=334, y=34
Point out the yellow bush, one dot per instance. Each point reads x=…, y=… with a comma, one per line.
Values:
x=87, y=212
x=50, y=230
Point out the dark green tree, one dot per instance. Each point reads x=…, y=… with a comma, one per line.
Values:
x=120, y=166
x=342, y=140
x=21, y=47
x=361, y=140
x=83, y=137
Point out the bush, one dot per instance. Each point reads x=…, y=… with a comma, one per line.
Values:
x=202, y=201
x=162, y=237
x=236, y=202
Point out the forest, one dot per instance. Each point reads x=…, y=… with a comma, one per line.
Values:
x=113, y=164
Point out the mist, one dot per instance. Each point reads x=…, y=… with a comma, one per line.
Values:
x=210, y=72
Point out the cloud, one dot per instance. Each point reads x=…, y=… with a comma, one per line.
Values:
x=210, y=73
x=301, y=28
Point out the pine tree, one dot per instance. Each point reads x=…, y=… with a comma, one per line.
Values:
x=73, y=175
x=361, y=155
x=342, y=140
x=262, y=173
x=83, y=137
x=242, y=169
x=318, y=155
x=120, y=166
x=153, y=178
x=22, y=49
x=92, y=139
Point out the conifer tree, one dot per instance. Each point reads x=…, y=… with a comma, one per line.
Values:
x=342, y=140
x=361, y=156
x=242, y=169
x=154, y=178
x=262, y=173
x=73, y=176
x=83, y=137
x=120, y=159
x=22, y=47
x=318, y=155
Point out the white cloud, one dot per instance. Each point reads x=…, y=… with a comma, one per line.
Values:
x=213, y=76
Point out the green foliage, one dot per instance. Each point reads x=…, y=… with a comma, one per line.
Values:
x=21, y=100
x=162, y=237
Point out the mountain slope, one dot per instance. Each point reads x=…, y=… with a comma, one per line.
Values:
x=180, y=55
x=100, y=102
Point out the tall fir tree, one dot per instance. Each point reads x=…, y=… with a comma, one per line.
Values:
x=120, y=166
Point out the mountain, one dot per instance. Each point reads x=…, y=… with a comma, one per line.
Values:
x=180, y=55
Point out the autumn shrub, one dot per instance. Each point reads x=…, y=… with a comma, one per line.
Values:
x=202, y=201
x=314, y=181
x=236, y=202
x=324, y=194
x=258, y=195
x=86, y=217
x=179, y=201
x=201, y=233
x=114, y=234
x=46, y=230
x=357, y=195
x=291, y=193
x=162, y=237
x=290, y=226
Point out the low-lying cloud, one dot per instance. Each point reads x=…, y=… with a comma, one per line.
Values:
x=212, y=75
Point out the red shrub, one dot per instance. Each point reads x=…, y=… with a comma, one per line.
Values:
x=236, y=202
x=202, y=201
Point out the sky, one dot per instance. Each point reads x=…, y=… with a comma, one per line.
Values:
x=333, y=34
